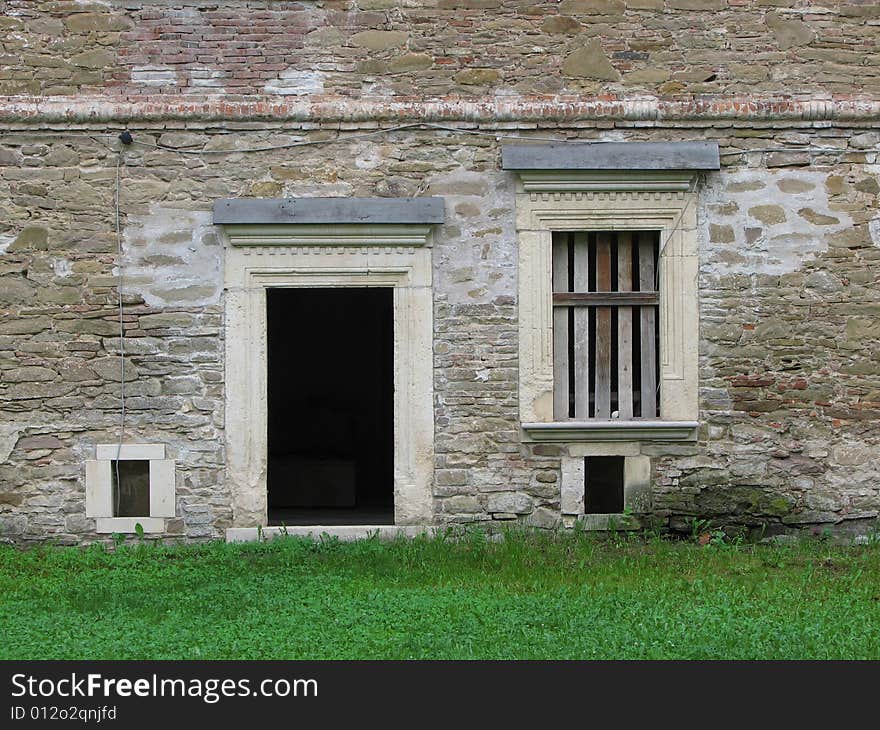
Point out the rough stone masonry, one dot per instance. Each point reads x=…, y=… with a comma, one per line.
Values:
x=789, y=231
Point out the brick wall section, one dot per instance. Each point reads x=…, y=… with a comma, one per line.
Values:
x=440, y=48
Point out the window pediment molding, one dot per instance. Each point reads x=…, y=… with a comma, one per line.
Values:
x=671, y=213
x=606, y=181
x=337, y=234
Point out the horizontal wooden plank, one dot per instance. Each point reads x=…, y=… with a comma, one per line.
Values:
x=606, y=299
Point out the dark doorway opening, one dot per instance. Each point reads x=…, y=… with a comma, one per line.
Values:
x=331, y=406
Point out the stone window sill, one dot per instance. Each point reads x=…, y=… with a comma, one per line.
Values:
x=609, y=522
x=613, y=430
x=127, y=524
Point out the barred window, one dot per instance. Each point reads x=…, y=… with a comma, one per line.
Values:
x=605, y=325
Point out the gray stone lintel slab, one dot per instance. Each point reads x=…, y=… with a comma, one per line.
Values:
x=599, y=430
x=329, y=210
x=611, y=156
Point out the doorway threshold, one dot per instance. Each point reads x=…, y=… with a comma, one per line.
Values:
x=345, y=533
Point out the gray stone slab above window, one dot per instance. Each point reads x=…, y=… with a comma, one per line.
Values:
x=340, y=211
x=611, y=156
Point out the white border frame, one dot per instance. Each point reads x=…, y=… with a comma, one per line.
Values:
x=99, y=488
x=259, y=257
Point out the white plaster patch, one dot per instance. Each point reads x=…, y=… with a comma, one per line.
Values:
x=367, y=156
x=480, y=237
x=296, y=83
x=874, y=223
x=377, y=87
x=172, y=258
x=874, y=230
x=205, y=77
x=5, y=241
x=154, y=75
x=62, y=268
x=770, y=246
x=318, y=190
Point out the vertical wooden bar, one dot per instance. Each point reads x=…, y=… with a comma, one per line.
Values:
x=603, y=327
x=624, y=328
x=581, y=330
x=648, y=316
x=560, y=328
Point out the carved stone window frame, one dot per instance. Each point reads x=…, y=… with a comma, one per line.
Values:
x=259, y=257
x=600, y=200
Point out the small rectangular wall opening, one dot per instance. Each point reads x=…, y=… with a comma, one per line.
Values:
x=130, y=480
x=330, y=406
x=603, y=485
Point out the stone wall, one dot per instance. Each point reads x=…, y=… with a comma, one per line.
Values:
x=789, y=229
x=439, y=47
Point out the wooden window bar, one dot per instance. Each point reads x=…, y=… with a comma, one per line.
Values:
x=605, y=325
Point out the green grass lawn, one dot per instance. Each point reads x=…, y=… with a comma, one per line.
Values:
x=529, y=597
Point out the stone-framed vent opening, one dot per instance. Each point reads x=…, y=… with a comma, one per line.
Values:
x=330, y=388
x=130, y=479
x=130, y=484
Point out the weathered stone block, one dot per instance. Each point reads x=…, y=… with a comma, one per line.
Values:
x=32, y=238
x=818, y=219
x=410, y=62
x=721, y=233
x=451, y=477
x=29, y=443
x=26, y=326
x=477, y=76
x=590, y=62
x=33, y=373
x=543, y=518
x=98, y=22
x=165, y=320
x=110, y=368
x=16, y=290
x=789, y=33
x=101, y=327
x=646, y=76
x=380, y=40
x=592, y=7
x=512, y=502
x=97, y=59
x=768, y=214
x=561, y=25
x=461, y=504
